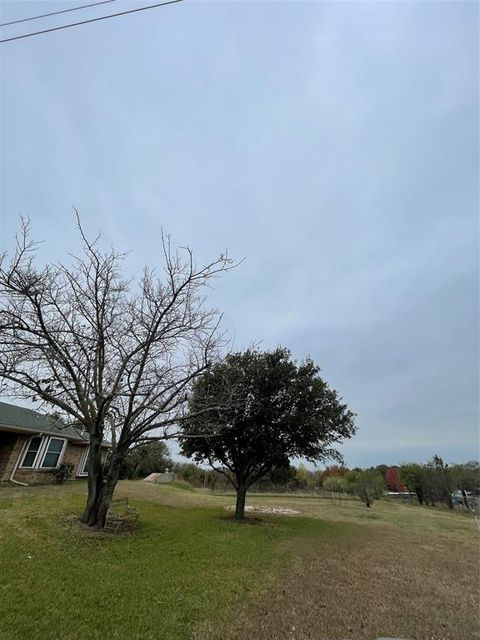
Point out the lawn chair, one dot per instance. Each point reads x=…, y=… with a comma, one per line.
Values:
x=120, y=515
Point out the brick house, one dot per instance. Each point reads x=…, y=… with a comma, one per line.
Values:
x=32, y=444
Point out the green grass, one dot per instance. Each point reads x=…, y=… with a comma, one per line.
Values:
x=190, y=572
x=181, y=485
x=182, y=567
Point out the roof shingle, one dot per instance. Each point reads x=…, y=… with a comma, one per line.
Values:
x=28, y=421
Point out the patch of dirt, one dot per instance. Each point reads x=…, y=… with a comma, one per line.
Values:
x=275, y=511
x=126, y=530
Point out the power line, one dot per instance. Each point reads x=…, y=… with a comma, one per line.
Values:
x=76, y=24
x=55, y=13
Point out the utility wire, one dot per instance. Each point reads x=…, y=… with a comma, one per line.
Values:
x=76, y=24
x=55, y=13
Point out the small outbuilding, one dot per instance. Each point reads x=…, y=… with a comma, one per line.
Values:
x=161, y=478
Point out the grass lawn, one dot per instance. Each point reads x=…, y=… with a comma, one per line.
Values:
x=341, y=571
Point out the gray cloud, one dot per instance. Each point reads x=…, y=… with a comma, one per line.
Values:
x=335, y=145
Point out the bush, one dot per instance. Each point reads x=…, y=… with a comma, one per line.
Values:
x=62, y=473
x=144, y=459
x=335, y=483
x=368, y=486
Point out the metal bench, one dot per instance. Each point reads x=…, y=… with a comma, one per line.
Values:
x=120, y=515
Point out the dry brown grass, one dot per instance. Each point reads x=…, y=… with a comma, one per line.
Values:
x=362, y=587
x=406, y=571
x=399, y=570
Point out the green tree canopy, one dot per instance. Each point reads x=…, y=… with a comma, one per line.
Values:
x=150, y=457
x=269, y=409
x=335, y=483
x=369, y=485
x=414, y=477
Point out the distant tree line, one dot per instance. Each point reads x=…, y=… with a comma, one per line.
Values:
x=438, y=482
x=434, y=482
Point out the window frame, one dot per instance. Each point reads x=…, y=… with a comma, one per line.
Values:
x=42, y=452
x=45, y=451
x=26, y=447
x=81, y=473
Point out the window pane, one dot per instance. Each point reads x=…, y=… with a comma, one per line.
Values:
x=50, y=460
x=87, y=462
x=55, y=445
x=52, y=454
x=35, y=444
x=32, y=451
x=29, y=459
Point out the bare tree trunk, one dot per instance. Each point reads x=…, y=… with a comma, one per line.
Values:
x=84, y=341
x=101, y=485
x=95, y=483
x=240, y=504
x=108, y=489
x=465, y=500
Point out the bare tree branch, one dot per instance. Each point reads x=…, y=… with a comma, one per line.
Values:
x=80, y=337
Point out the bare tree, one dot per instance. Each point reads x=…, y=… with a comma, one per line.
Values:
x=116, y=357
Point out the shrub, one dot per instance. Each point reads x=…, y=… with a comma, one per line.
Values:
x=369, y=485
x=335, y=483
x=62, y=473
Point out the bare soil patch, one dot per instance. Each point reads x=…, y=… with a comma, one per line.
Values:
x=272, y=511
x=126, y=530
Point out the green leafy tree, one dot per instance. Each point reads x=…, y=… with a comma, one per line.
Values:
x=443, y=481
x=150, y=457
x=334, y=470
x=415, y=478
x=269, y=409
x=282, y=476
x=279, y=478
x=350, y=477
x=466, y=477
x=303, y=478
x=382, y=469
x=436, y=481
x=191, y=473
x=368, y=486
x=338, y=484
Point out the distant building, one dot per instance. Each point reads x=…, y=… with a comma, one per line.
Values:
x=161, y=478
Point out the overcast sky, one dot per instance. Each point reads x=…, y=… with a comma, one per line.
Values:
x=333, y=145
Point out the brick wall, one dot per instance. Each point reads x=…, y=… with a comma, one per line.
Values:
x=34, y=476
x=7, y=442
x=11, y=445
x=73, y=455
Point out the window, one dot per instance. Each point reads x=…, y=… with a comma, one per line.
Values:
x=31, y=452
x=84, y=463
x=43, y=452
x=52, y=453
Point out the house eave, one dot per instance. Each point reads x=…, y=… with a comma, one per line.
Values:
x=50, y=432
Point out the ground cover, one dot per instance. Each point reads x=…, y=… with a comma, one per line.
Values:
x=336, y=571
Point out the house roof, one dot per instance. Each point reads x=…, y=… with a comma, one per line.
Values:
x=14, y=418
